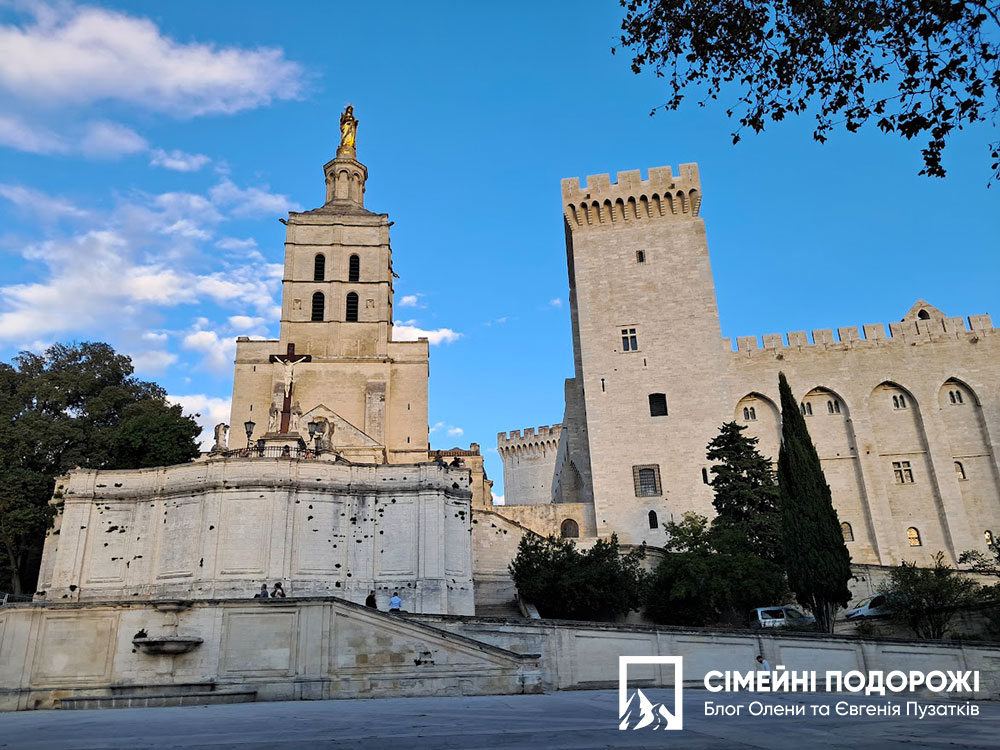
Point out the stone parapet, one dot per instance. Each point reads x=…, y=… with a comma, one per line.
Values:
x=601, y=202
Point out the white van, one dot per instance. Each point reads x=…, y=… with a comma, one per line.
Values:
x=779, y=617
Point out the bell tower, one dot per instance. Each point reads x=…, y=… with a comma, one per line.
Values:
x=336, y=316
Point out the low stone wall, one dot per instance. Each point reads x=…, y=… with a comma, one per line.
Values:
x=290, y=649
x=579, y=655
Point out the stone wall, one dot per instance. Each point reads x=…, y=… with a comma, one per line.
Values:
x=283, y=649
x=579, y=655
x=222, y=527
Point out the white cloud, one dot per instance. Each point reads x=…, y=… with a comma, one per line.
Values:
x=232, y=243
x=82, y=55
x=110, y=140
x=178, y=161
x=157, y=337
x=406, y=331
x=447, y=429
x=409, y=300
x=250, y=201
x=497, y=499
x=245, y=322
x=18, y=134
x=557, y=302
x=210, y=410
x=217, y=353
x=45, y=205
x=152, y=362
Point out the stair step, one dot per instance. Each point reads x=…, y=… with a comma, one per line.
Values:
x=507, y=609
x=153, y=699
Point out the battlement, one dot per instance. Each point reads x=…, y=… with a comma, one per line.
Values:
x=872, y=334
x=601, y=202
x=533, y=437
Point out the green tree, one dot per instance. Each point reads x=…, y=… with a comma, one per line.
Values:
x=709, y=576
x=562, y=582
x=746, y=493
x=925, y=599
x=922, y=69
x=74, y=405
x=816, y=558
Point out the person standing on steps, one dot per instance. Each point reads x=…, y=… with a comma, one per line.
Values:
x=395, y=603
x=370, y=601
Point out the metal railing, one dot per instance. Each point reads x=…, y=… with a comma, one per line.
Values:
x=6, y=598
x=272, y=451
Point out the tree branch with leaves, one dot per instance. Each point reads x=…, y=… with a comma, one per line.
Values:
x=919, y=68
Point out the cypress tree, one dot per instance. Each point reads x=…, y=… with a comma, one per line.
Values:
x=816, y=558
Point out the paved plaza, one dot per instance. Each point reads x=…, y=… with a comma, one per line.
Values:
x=579, y=719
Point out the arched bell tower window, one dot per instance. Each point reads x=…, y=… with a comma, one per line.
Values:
x=654, y=523
x=318, y=306
x=319, y=267
x=354, y=269
x=351, y=313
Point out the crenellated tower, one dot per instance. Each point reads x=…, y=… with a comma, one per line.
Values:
x=650, y=381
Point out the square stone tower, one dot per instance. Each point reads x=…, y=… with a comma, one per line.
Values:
x=650, y=388
x=335, y=364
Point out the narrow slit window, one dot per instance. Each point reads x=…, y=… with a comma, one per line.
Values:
x=847, y=531
x=354, y=269
x=704, y=476
x=959, y=470
x=653, y=521
x=640, y=256
x=319, y=267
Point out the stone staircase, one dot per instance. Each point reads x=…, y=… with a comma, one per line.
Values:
x=146, y=696
x=507, y=609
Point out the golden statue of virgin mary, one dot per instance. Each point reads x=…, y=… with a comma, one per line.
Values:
x=348, y=133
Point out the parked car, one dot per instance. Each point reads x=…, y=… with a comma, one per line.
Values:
x=869, y=609
x=779, y=617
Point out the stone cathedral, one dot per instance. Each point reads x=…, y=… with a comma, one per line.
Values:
x=906, y=421
x=334, y=491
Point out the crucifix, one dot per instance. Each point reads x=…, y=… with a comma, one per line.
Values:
x=288, y=362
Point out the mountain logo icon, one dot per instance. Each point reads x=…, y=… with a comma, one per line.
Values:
x=635, y=710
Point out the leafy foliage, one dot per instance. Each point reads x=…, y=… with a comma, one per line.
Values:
x=562, y=582
x=709, y=577
x=816, y=558
x=716, y=574
x=73, y=406
x=925, y=598
x=919, y=68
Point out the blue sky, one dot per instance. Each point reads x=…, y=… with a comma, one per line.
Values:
x=148, y=150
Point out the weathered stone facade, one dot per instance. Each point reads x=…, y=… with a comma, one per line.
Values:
x=906, y=423
x=334, y=491
x=220, y=528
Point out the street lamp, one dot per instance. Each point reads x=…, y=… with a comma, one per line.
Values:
x=248, y=426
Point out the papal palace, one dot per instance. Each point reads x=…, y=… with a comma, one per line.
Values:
x=905, y=420
x=324, y=480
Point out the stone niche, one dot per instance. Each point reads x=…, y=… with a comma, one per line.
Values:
x=220, y=528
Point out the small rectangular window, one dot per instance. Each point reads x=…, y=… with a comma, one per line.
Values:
x=657, y=405
x=647, y=480
x=630, y=342
x=902, y=471
x=640, y=256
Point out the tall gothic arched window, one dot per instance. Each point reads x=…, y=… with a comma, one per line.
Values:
x=354, y=269
x=319, y=267
x=351, y=312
